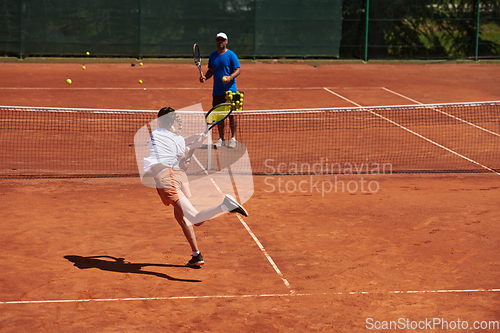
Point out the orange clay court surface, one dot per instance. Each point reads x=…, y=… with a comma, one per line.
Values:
x=104, y=255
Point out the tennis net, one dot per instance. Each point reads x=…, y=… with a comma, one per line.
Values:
x=434, y=138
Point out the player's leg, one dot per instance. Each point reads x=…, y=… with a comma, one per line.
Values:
x=232, y=125
x=192, y=214
x=194, y=217
x=187, y=229
x=220, y=127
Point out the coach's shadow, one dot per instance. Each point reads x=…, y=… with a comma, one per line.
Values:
x=121, y=266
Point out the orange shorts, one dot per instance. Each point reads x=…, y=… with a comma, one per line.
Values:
x=172, y=184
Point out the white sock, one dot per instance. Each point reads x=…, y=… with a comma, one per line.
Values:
x=195, y=253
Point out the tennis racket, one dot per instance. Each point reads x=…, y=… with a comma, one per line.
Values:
x=217, y=114
x=197, y=58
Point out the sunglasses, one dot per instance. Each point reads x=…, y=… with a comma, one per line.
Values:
x=220, y=39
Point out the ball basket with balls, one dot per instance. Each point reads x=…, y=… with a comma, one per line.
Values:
x=236, y=99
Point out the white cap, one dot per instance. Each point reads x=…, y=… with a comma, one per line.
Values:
x=222, y=35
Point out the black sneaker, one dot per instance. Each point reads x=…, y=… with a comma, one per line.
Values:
x=234, y=206
x=196, y=261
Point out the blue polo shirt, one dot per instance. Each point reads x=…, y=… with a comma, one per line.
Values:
x=223, y=65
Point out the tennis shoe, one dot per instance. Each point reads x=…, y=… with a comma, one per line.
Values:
x=196, y=261
x=233, y=143
x=220, y=143
x=234, y=206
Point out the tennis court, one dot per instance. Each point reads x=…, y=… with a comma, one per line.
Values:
x=319, y=252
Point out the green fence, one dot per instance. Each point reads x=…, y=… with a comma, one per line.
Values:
x=349, y=29
x=168, y=28
x=420, y=29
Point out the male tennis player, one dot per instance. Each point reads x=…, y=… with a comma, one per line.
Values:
x=224, y=66
x=168, y=160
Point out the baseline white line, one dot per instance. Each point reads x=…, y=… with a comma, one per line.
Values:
x=415, y=133
x=168, y=298
x=259, y=244
x=447, y=114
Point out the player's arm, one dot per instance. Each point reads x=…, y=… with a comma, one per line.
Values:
x=186, y=159
x=192, y=138
x=197, y=140
x=207, y=75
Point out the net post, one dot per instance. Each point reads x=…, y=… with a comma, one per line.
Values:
x=209, y=151
x=209, y=146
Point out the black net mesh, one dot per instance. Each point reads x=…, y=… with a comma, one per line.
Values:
x=41, y=142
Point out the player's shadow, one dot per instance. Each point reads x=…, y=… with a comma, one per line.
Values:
x=121, y=266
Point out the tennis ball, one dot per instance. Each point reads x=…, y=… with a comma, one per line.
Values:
x=88, y=53
x=140, y=81
x=68, y=81
x=83, y=67
x=224, y=79
x=140, y=64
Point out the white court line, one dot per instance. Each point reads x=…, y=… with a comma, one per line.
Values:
x=415, y=133
x=259, y=244
x=449, y=115
x=271, y=261
x=169, y=298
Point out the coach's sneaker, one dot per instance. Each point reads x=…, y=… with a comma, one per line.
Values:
x=196, y=261
x=220, y=143
x=234, y=206
x=233, y=143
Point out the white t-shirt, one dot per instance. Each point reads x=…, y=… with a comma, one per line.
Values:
x=165, y=147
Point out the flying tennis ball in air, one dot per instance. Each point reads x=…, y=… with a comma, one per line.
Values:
x=88, y=53
x=83, y=67
x=140, y=81
x=68, y=81
x=140, y=64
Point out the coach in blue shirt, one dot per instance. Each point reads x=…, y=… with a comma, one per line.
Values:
x=224, y=66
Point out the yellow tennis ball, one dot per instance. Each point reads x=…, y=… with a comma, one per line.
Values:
x=88, y=53
x=68, y=81
x=140, y=81
x=140, y=64
x=83, y=67
x=224, y=79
